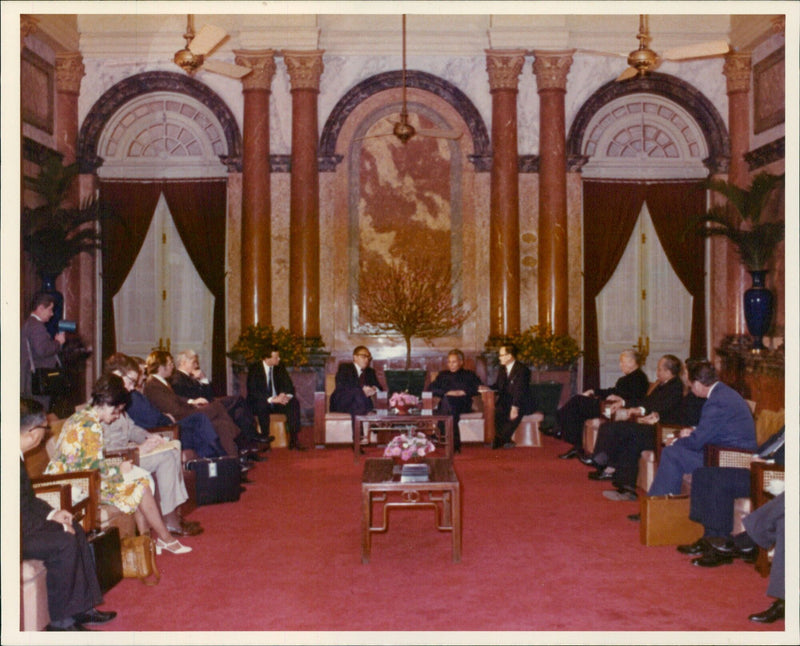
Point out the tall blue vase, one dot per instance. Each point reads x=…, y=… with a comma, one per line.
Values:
x=758, y=301
x=49, y=286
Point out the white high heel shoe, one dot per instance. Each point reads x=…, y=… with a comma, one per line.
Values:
x=175, y=547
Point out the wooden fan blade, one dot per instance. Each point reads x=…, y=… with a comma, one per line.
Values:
x=207, y=39
x=226, y=69
x=628, y=74
x=597, y=52
x=700, y=50
x=440, y=133
x=383, y=134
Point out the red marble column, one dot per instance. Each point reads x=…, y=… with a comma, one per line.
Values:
x=504, y=68
x=305, y=69
x=551, y=69
x=737, y=72
x=256, y=290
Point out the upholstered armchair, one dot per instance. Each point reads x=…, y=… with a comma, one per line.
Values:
x=476, y=426
x=336, y=428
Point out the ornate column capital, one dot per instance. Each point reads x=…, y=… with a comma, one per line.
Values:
x=737, y=70
x=305, y=68
x=69, y=72
x=779, y=25
x=262, y=62
x=551, y=69
x=27, y=26
x=504, y=67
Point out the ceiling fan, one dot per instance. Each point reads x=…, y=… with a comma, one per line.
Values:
x=644, y=60
x=402, y=129
x=193, y=57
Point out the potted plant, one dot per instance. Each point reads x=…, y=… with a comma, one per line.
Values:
x=52, y=233
x=408, y=297
x=252, y=344
x=542, y=350
x=755, y=241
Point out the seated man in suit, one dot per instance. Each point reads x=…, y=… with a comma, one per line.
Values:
x=356, y=385
x=270, y=390
x=188, y=380
x=514, y=398
x=54, y=537
x=766, y=527
x=455, y=388
x=158, y=391
x=714, y=490
x=631, y=387
x=726, y=420
x=619, y=443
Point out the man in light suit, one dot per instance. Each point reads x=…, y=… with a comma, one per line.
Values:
x=356, y=385
x=56, y=538
x=514, y=398
x=726, y=420
x=270, y=390
x=37, y=348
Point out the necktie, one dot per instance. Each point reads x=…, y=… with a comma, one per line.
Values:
x=270, y=385
x=362, y=379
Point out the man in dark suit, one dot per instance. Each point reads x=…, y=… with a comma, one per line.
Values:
x=455, y=388
x=188, y=380
x=56, y=538
x=629, y=389
x=514, y=398
x=619, y=443
x=356, y=385
x=726, y=420
x=37, y=348
x=270, y=390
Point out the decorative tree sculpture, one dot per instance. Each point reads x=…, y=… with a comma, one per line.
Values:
x=413, y=298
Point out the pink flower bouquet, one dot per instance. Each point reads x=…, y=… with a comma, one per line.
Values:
x=407, y=446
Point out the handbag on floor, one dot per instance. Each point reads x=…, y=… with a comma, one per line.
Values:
x=217, y=479
x=105, y=546
x=139, y=559
x=665, y=521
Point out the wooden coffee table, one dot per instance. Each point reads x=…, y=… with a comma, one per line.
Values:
x=381, y=491
x=396, y=424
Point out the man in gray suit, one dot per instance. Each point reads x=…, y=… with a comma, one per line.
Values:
x=37, y=348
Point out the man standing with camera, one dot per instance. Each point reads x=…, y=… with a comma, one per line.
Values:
x=38, y=349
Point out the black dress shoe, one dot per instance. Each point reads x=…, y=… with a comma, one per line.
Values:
x=244, y=479
x=572, y=453
x=95, y=616
x=255, y=457
x=600, y=475
x=712, y=559
x=68, y=628
x=700, y=546
x=776, y=611
x=588, y=460
x=263, y=439
x=747, y=553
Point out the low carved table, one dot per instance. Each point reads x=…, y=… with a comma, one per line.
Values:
x=382, y=490
x=384, y=422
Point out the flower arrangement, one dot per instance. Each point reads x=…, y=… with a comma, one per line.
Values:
x=403, y=400
x=254, y=340
x=407, y=446
x=539, y=347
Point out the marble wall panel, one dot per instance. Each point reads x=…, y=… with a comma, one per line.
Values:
x=279, y=249
x=528, y=249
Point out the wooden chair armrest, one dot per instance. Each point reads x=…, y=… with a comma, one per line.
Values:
x=487, y=401
x=429, y=402
x=663, y=432
x=58, y=496
x=114, y=458
x=89, y=481
x=726, y=456
x=381, y=400
x=168, y=432
x=761, y=473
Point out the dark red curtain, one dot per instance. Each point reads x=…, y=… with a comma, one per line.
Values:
x=198, y=209
x=610, y=211
x=671, y=206
x=131, y=205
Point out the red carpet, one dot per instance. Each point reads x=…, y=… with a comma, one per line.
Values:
x=542, y=551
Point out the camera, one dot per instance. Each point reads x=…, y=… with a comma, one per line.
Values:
x=67, y=326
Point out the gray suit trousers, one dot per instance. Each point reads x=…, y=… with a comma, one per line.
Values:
x=167, y=469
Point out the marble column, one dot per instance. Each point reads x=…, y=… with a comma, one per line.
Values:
x=256, y=286
x=551, y=69
x=305, y=68
x=78, y=282
x=504, y=67
x=737, y=69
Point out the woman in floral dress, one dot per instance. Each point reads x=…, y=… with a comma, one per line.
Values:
x=127, y=487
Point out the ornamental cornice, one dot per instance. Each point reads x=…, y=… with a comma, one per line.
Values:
x=551, y=69
x=69, y=72
x=262, y=62
x=504, y=68
x=305, y=68
x=737, y=69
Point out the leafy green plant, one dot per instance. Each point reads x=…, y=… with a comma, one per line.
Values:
x=254, y=340
x=539, y=347
x=755, y=240
x=53, y=234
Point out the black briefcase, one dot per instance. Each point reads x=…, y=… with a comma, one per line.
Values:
x=106, y=551
x=217, y=479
